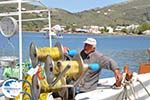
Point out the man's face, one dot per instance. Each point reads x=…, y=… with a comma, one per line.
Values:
x=88, y=48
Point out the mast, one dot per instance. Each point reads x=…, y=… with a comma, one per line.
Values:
x=49, y=24
x=20, y=42
x=20, y=22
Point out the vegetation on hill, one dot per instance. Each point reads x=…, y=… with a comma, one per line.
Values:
x=133, y=12
x=126, y=13
x=143, y=27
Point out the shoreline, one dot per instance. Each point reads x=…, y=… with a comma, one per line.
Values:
x=100, y=34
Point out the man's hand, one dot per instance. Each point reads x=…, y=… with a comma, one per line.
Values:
x=118, y=77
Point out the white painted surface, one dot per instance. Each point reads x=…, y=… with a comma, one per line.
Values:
x=105, y=92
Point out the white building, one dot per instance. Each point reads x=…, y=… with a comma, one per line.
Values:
x=119, y=28
x=82, y=30
x=110, y=29
x=147, y=32
x=22, y=9
x=132, y=27
x=94, y=29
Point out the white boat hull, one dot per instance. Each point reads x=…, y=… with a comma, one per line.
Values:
x=106, y=92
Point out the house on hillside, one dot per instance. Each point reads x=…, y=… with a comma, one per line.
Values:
x=119, y=28
x=147, y=32
x=110, y=29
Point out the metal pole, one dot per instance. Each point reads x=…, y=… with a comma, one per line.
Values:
x=49, y=25
x=20, y=42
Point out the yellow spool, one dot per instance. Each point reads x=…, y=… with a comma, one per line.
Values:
x=77, y=67
x=43, y=96
x=26, y=88
x=46, y=96
x=56, y=88
x=43, y=82
x=45, y=87
x=74, y=69
x=53, y=52
x=40, y=54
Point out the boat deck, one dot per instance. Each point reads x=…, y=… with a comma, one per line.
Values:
x=105, y=91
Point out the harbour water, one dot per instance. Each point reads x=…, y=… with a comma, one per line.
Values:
x=129, y=50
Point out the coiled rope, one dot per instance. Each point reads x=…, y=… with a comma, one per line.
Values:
x=74, y=67
x=40, y=54
x=125, y=94
x=53, y=52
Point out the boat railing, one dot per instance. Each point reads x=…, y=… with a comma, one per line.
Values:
x=20, y=13
x=26, y=11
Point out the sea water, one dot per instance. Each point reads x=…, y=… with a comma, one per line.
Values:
x=129, y=50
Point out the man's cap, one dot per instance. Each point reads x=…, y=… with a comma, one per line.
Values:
x=90, y=41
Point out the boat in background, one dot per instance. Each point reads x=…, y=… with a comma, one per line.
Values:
x=54, y=35
x=44, y=30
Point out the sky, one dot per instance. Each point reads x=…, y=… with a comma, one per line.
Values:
x=79, y=5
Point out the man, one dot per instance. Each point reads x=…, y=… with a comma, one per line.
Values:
x=90, y=55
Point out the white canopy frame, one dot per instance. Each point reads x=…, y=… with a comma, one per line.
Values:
x=19, y=13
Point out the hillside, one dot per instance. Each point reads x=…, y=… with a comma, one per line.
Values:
x=130, y=12
x=58, y=16
x=133, y=12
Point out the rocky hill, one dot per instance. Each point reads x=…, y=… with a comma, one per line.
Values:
x=129, y=12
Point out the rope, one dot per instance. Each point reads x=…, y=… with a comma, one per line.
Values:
x=43, y=96
x=61, y=75
x=122, y=92
x=29, y=96
x=53, y=52
x=143, y=86
x=74, y=70
x=133, y=91
x=125, y=83
x=27, y=87
x=43, y=82
x=127, y=95
x=45, y=87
